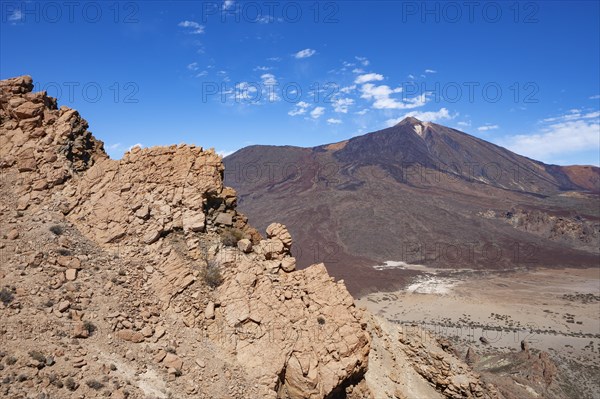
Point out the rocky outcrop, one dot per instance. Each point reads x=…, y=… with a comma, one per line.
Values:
x=575, y=230
x=297, y=334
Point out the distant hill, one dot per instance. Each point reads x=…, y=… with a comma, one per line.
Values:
x=419, y=193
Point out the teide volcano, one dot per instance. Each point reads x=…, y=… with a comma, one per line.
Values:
x=419, y=193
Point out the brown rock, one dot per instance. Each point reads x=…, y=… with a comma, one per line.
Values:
x=225, y=219
x=130, y=335
x=193, y=221
x=152, y=236
x=173, y=361
x=147, y=331
x=63, y=306
x=278, y=230
x=245, y=245
x=209, y=312
x=288, y=264
x=80, y=330
x=71, y=274
x=13, y=234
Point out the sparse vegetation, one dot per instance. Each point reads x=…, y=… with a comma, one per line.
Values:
x=57, y=229
x=90, y=327
x=11, y=360
x=320, y=320
x=71, y=384
x=37, y=356
x=6, y=296
x=212, y=274
x=94, y=384
x=230, y=236
x=64, y=252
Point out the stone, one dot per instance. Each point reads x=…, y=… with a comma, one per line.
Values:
x=28, y=110
x=63, y=306
x=173, y=361
x=159, y=332
x=225, y=219
x=80, y=330
x=147, y=331
x=193, y=221
x=209, y=312
x=13, y=234
x=471, y=356
x=288, y=264
x=245, y=245
x=130, y=335
x=152, y=236
x=143, y=212
x=71, y=274
x=278, y=230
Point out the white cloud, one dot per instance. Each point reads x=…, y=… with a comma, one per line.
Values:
x=194, y=27
x=427, y=116
x=362, y=112
x=263, y=68
x=430, y=71
x=340, y=105
x=573, y=114
x=411, y=76
x=557, y=140
x=245, y=91
x=223, y=153
x=317, y=112
x=597, y=96
x=140, y=145
x=300, y=109
x=464, y=124
x=275, y=59
x=333, y=121
x=369, y=77
x=485, y=128
x=347, y=89
x=358, y=70
x=193, y=66
x=363, y=60
x=115, y=146
x=201, y=74
x=17, y=15
x=270, y=82
x=228, y=4
x=382, y=100
x=305, y=53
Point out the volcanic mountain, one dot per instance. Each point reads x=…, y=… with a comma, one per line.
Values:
x=419, y=193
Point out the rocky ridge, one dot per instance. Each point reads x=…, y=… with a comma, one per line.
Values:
x=138, y=278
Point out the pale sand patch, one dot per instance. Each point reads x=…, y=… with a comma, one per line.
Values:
x=504, y=307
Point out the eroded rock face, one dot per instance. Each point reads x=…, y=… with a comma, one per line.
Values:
x=304, y=323
x=296, y=333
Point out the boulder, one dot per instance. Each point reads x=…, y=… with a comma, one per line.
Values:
x=245, y=245
x=193, y=221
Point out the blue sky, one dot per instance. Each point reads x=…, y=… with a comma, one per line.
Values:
x=230, y=74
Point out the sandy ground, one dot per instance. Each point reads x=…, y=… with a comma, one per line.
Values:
x=554, y=310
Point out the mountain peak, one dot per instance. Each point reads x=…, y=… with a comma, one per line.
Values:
x=409, y=120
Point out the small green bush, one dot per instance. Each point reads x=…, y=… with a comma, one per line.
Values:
x=94, y=384
x=71, y=384
x=37, y=356
x=56, y=229
x=230, y=236
x=6, y=296
x=89, y=326
x=212, y=274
